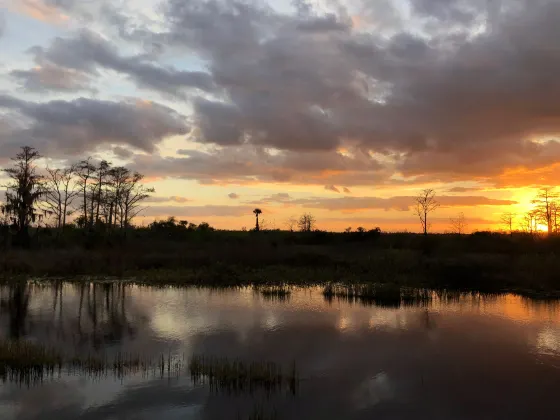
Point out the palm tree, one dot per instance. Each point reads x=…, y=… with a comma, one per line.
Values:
x=257, y=212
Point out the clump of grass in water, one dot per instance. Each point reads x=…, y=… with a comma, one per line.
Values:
x=411, y=297
x=280, y=292
x=223, y=374
x=377, y=294
x=26, y=363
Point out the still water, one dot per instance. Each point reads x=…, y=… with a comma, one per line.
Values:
x=456, y=357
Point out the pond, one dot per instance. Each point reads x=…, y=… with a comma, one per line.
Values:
x=451, y=357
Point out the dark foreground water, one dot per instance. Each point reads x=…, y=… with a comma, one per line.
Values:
x=466, y=357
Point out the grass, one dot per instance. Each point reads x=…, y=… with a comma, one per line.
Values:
x=239, y=376
x=388, y=295
x=274, y=261
x=274, y=292
x=28, y=363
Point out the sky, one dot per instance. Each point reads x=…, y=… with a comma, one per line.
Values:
x=345, y=109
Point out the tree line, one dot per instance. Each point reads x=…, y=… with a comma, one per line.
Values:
x=545, y=212
x=96, y=194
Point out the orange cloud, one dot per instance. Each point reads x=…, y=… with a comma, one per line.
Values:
x=37, y=9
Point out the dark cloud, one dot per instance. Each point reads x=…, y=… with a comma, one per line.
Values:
x=86, y=53
x=72, y=127
x=346, y=190
x=50, y=77
x=448, y=91
x=247, y=164
x=421, y=101
x=233, y=196
x=332, y=188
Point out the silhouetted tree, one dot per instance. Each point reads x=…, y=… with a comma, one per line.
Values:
x=291, y=223
x=306, y=222
x=458, y=224
x=133, y=194
x=425, y=204
x=529, y=222
x=60, y=191
x=257, y=212
x=85, y=172
x=545, y=207
x=23, y=192
x=508, y=220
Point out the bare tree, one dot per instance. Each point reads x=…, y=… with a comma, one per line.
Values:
x=530, y=221
x=306, y=222
x=100, y=181
x=133, y=194
x=544, y=202
x=23, y=192
x=458, y=224
x=291, y=223
x=60, y=191
x=85, y=172
x=508, y=220
x=425, y=204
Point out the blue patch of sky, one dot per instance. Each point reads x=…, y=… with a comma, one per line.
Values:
x=22, y=32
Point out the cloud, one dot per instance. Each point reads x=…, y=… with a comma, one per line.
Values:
x=418, y=101
x=398, y=203
x=173, y=198
x=73, y=127
x=463, y=189
x=50, y=77
x=332, y=188
x=446, y=90
x=198, y=211
x=346, y=190
x=274, y=198
x=85, y=54
x=247, y=165
x=233, y=196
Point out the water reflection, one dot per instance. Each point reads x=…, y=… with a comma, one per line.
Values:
x=459, y=356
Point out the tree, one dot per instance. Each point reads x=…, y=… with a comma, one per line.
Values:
x=23, y=192
x=425, y=204
x=100, y=180
x=85, y=171
x=529, y=222
x=458, y=224
x=133, y=193
x=60, y=191
x=545, y=205
x=306, y=222
x=257, y=212
x=508, y=220
x=291, y=223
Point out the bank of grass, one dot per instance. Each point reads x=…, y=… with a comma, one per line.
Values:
x=480, y=262
x=25, y=362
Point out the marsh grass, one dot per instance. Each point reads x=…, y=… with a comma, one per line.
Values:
x=386, y=295
x=223, y=374
x=274, y=292
x=28, y=363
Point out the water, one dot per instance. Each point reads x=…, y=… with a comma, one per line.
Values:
x=455, y=358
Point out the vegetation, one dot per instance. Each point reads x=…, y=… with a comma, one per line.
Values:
x=237, y=375
x=77, y=221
